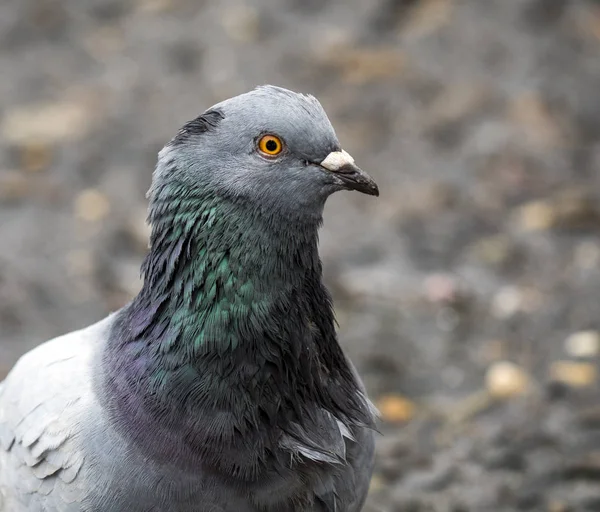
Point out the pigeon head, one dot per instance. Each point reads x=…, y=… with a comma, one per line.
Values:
x=271, y=147
x=232, y=312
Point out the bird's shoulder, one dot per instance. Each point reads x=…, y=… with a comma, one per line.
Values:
x=45, y=402
x=344, y=455
x=351, y=487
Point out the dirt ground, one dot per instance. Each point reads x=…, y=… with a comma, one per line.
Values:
x=467, y=294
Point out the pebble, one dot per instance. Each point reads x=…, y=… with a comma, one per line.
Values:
x=569, y=209
x=558, y=506
x=428, y=198
x=576, y=209
x=91, y=205
x=591, y=25
x=530, y=112
x=13, y=186
x=455, y=102
x=574, y=374
x=506, y=380
x=494, y=250
x=35, y=156
x=441, y=288
x=491, y=351
x=427, y=17
x=536, y=216
x=242, y=24
x=366, y=65
x=587, y=255
x=507, y=302
x=376, y=484
x=154, y=6
x=511, y=300
x=45, y=124
x=583, y=344
x=395, y=408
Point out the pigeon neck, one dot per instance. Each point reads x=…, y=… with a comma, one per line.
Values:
x=231, y=336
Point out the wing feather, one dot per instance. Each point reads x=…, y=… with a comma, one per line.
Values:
x=44, y=402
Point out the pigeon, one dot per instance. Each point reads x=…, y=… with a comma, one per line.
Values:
x=221, y=386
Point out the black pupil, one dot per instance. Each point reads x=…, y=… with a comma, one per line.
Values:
x=271, y=145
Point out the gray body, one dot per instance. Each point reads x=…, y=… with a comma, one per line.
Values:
x=59, y=452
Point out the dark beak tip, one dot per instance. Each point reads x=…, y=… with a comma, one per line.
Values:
x=354, y=178
x=369, y=188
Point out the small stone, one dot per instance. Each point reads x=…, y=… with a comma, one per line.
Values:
x=91, y=205
x=455, y=102
x=587, y=255
x=154, y=6
x=530, y=112
x=512, y=300
x=242, y=24
x=45, y=124
x=558, y=506
x=576, y=208
x=13, y=186
x=441, y=288
x=507, y=302
x=427, y=17
x=425, y=198
x=376, y=483
x=491, y=351
x=334, y=38
x=583, y=344
x=395, y=408
x=590, y=24
x=493, y=250
x=365, y=65
x=506, y=380
x=537, y=216
x=35, y=156
x=574, y=374
x=556, y=391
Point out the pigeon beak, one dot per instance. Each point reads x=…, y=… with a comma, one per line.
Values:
x=354, y=178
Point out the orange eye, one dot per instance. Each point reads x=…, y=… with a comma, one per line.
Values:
x=270, y=145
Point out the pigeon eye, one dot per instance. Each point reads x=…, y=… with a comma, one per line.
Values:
x=270, y=145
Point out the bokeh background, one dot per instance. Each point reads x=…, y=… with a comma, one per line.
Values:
x=467, y=294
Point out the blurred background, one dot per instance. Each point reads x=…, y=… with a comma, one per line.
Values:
x=467, y=294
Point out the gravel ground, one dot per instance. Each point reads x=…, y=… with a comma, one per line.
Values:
x=467, y=293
